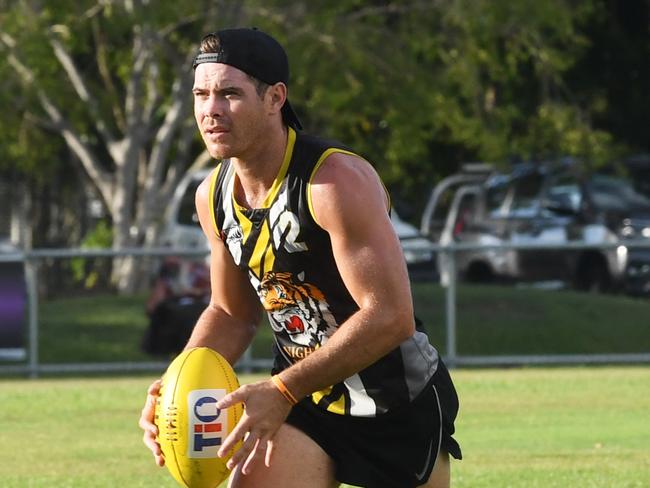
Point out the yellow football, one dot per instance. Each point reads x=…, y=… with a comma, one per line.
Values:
x=190, y=426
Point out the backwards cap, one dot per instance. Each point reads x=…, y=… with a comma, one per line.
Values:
x=256, y=54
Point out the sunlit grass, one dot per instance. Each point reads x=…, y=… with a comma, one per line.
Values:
x=530, y=427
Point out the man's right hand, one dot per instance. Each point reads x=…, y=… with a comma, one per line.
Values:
x=147, y=422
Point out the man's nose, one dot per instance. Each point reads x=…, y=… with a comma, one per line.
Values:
x=213, y=106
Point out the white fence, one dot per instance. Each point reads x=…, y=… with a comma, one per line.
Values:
x=34, y=367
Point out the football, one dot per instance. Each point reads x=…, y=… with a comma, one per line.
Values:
x=190, y=426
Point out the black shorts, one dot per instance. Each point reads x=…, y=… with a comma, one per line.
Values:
x=395, y=449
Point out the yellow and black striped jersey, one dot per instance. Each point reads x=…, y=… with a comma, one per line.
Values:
x=289, y=260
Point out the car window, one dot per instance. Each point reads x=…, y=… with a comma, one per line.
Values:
x=525, y=198
x=641, y=181
x=467, y=213
x=611, y=193
x=563, y=193
x=495, y=200
x=441, y=210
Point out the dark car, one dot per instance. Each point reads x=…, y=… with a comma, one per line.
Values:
x=543, y=207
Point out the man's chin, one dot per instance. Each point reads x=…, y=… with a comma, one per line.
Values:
x=219, y=151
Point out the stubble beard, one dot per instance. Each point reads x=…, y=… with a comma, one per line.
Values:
x=217, y=150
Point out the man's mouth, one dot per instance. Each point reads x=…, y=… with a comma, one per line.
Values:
x=215, y=130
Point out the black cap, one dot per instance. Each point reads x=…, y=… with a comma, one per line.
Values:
x=256, y=54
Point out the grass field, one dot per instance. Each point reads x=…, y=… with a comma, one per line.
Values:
x=491, y=320
x=524, y=427
x=529, y=427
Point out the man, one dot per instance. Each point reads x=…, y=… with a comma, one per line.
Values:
x=301, y=226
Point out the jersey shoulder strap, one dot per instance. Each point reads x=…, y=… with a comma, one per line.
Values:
x=217, y=184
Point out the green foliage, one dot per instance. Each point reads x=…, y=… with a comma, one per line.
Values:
x=87, y=270
x=560, y=129
x=26, y=146
x=416, y=87
x=419, y=87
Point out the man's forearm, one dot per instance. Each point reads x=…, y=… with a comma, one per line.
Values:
x=360, y=341
x=225, y=334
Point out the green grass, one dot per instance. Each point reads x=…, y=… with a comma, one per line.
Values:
x=573, y=427
x=529, y=427
x=536, y=427
x=99, y=328
x=491, y=320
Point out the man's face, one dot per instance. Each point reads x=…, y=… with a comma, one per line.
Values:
x=228, y=110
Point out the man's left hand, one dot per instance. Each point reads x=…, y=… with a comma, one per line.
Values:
x=265, y=410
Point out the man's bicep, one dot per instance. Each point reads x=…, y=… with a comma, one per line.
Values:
x=350, y=204
x=371, y=262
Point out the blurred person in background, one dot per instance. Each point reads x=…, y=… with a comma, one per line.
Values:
x=180, y=293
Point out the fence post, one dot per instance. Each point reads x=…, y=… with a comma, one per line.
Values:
x=32, y=316
x=451, y=309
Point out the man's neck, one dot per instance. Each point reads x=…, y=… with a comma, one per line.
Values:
x=257, y=171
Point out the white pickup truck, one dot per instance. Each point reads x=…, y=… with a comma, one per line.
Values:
x=544, y=208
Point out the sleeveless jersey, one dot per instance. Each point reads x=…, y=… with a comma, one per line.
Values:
x=289, y=261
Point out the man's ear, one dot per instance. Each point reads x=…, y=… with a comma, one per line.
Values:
x=276, y=95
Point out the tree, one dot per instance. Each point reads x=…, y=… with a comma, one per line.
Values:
x=421, y=86
x=112, y=78
x=416, y=86
x=612, y=76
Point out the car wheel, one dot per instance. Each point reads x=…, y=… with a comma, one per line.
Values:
x=479, y=272
x=593, y=275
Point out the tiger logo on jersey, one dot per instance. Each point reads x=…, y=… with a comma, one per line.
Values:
x=296, y=309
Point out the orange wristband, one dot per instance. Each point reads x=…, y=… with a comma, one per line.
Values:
x=279, y=384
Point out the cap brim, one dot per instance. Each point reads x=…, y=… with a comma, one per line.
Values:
x=289, y=116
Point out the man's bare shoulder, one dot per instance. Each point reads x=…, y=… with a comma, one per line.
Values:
x=203, y=207
x=344, y=169
x=203, y=190
x=346, y=185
